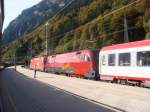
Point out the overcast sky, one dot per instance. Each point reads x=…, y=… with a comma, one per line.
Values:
x=14, y=7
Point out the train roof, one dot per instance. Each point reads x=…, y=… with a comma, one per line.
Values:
x=68, y=53
x=72, y=52
x=127, y=45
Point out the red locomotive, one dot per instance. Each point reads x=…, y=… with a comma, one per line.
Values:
x=38, y=63
x=81, y=63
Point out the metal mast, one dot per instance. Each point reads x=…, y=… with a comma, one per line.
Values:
x=126, y=35
x=46, y=35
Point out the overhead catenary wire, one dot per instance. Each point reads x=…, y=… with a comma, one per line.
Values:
x=97, y=19
x=100, y=36
x=61, y=10
x=108, y=34
x=100, y=18
x=57, y=13
x=72, y=31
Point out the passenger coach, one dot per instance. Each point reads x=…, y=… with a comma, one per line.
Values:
x=126, y=62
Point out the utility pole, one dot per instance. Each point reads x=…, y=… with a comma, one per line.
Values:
x=15, y=58
x=15, y=62
x=30, y=50
x=126, y=35
x=29, y=54
x=52, y=45
x=0, y=52
x=46, y=35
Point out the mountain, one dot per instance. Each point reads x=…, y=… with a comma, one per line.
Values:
x=85, y=24
x=30, y=18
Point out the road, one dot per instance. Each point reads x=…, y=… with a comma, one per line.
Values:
x=22, y=94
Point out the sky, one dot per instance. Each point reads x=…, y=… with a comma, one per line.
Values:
x=14, y=7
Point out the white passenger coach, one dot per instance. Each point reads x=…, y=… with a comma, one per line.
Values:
x=126, y=62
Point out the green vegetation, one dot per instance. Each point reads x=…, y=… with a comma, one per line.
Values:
x=82, y=27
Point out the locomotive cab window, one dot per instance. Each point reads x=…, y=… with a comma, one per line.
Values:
x=124, y=59
x=111, y=59
x=84, y=58
x=143, y=58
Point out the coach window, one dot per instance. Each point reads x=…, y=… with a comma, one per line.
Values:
x=124, y=59
x=103, y=60
x=143, y=58
x=111, y=59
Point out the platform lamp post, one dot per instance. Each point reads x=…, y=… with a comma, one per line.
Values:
x=15, y=61
x=29, y=55
x=16, y=52
x=15, y=57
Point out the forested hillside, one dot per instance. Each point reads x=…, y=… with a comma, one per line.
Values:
x=85, y=25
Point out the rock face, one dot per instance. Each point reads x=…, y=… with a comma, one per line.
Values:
x=31, y=18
